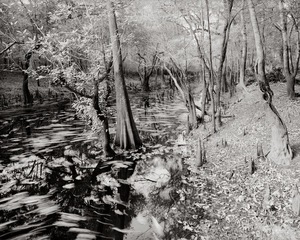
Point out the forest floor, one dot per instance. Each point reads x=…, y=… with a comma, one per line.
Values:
x=241, y=204
x=223, y=199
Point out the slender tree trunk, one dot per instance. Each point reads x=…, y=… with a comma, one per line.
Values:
x=28, y=99
x=260, y=61
x=224, y=79
x=192, y=111
x=145, y=84
x=211, y=74
x=186, y=97
x=226, y=30
x=204, y=96
x=285, y=52
x=127, y=136
x=203, y=66
x=280, y=152
x=162, y=74
x=145, y=71
x=243, y=64
x=108, y=151
x=288, y=70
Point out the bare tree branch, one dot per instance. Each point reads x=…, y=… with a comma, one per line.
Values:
x=9, y=46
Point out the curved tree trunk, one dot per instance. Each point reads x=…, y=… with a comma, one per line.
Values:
x=186, y=97
x=108, y=151
x=127, y=136
x=280, y=152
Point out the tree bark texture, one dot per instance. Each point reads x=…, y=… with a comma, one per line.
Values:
x=127, y=136
x=280, y=151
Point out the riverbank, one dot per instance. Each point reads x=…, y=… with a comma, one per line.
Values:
x=224, y=199
x=11, y=93
x=242, y=204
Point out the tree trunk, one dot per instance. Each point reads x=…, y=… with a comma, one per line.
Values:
x=203, y=65
x=260, y=61
x=145, y=84
x=203, y=99
x=145, y=71
x=163, y=75
x=211, y=73
x=127, y=136
x=243, y=64
x=290, y=86
x=289, y=73
x=192, y=112
x=224, y=80
x=226, y=30
x=28, y=99
x=280, y=151
x=104, y=121
x=186, y=97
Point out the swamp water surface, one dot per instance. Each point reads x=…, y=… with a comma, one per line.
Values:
x=43, y=142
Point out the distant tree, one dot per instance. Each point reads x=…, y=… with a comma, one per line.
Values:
x=146, y=68
x=21, y=27
x=180, y=78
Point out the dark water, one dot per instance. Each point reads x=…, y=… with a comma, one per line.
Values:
x=45, y=133
x=43, y=130
x=46, y=129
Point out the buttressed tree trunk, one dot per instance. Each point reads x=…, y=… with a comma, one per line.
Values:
x=127, y=136
x=289, y=71
x=280, y=152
